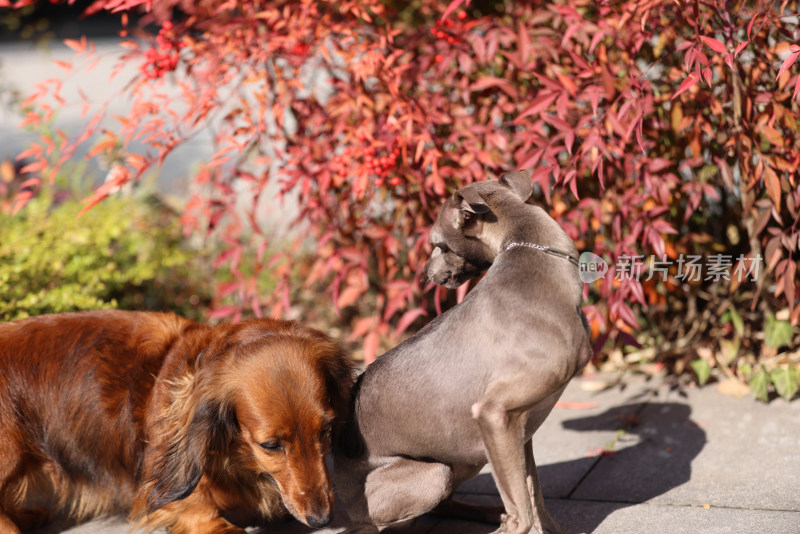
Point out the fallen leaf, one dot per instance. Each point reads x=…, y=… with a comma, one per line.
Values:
x=734, y=388
x=597, y=451
x=567, y=405
x=598, y=385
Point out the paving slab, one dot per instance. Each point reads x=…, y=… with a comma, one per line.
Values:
x=649, y=518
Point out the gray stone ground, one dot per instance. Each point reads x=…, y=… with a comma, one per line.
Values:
x=640, y=458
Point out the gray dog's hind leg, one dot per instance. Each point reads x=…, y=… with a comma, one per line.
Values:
x=397, y=491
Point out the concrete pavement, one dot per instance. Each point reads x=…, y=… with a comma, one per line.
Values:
x=640, y=457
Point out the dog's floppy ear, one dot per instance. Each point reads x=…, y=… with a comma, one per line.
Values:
x=339, y=380
x=520, y=182
x=194, y=423
x=471, y=201
x=465, y=213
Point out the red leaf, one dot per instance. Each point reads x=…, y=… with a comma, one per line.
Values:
x=557, y=123
x=222, y=312
x=750, y=26
x=36, y=166
x=91, y=202
x=66, y=65
x=256, y=306
x=568, y=84
x=362, y=326
x=707, y=76
x=627, y=315
x=20, y=199
x=461, y=292
x=788, y=62
x=33, y=150
x=453, y=6
x=638, y=293
x=796, y=88
x=524, y=43
x=740, y=47
x=31, y=183
x=773, y=185
x=408, y=317
x=370, y=347
x=539, y=103
x=662, y=226
x=789, y=275
x=714, y=44
x=77, y=46
x=491, y=81
x=729, y=60
x=690, y=80
x=437, y=297
x=533, y=160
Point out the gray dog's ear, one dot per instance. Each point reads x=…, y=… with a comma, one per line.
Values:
x=520, y=182
x=472, y=202
x=464, y=210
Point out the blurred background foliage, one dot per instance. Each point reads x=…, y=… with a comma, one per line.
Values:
x=127, y=253
x=655, y=129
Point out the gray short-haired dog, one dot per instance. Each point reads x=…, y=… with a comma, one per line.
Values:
x=475, y=383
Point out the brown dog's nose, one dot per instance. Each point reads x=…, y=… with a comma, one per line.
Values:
x=319, y=522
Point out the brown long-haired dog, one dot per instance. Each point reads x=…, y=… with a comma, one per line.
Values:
x=174, y=421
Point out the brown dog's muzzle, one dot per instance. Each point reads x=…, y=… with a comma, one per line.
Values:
x=318, y=512
x=308, y=495
x=319, y=521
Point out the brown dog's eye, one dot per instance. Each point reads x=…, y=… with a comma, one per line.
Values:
x=271, y=445
x=325, y=431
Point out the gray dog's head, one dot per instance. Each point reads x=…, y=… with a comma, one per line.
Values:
x=468, y=234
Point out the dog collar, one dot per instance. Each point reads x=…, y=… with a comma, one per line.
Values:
x=547, y=250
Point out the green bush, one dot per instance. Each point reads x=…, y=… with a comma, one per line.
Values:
x=124, y=253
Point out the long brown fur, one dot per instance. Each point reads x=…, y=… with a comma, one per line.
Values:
x=169, y=420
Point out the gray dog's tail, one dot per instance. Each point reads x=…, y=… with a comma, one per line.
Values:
x=349, y=441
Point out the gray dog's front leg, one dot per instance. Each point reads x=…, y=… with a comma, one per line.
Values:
x=502, y=434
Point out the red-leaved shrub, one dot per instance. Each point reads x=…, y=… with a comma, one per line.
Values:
x=655, y=129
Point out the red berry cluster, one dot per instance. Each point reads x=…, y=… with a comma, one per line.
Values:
x=299, y=49
x=164, y=58
x=382, y=166
x=445, y=31
x=378, y=166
